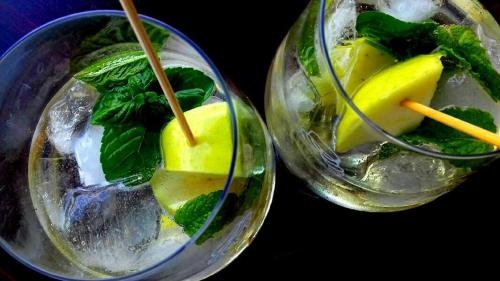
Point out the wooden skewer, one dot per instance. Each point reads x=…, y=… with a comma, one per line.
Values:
x=453, y=122
x=146, y=45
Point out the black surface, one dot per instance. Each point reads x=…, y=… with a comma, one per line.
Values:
x=306, y=235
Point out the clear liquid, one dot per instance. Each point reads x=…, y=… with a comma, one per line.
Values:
x=104, y=227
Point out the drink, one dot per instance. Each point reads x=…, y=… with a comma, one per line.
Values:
x=383, y=160
x=113, y=185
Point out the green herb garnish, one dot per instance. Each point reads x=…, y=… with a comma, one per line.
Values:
x=193, y=214
x=127, y=102
x=120, y=107
x=114, y=70
x=115, y=36
x=402, y=39
x=449, y=140
x=129, y=153
x=251, y=194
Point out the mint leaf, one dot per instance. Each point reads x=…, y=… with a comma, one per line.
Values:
x=192, y=88
x=135, y=101
x=141, y=81
x=251, y=194
x=114, y=70
x=461, y=45
x=449, y=140
x=402, y=39
x=157, y=110
x=80, y=63
x=120, y=107
x=306, y=50
x=129, y=153
x=254, y=135
x=387, y=150
x=116, y=35
x=108, y=105
x=190, y=98
x=184, y=78
x=435, y=130
x=193, y=214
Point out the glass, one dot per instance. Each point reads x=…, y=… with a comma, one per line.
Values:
x=307, y=99
x=60, y=217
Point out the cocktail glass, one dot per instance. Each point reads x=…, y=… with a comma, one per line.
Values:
x=58, y=217
x=305, y=91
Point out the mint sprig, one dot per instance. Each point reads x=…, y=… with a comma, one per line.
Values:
x=186, y=78
x=193, y=214
x=447, y=139
x=122, y=104
x=133, y=111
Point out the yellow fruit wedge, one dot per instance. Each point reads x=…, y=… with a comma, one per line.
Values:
x=173, y=189
x=211, y=127
x=380, y=97
x=191, y=171
x=324, y=84
x=356, y=63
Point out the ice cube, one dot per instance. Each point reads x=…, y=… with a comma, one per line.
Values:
x=409, y=172
x=409, y=10
x=460, y=89
x=68, y=112
x=87, y=150
x=341, y=24
x=301, y=94
x=110, y=227
x=491, y=45
x=356, y=162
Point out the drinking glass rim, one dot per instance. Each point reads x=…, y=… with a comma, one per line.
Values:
x=109, y=12
x=371, y=124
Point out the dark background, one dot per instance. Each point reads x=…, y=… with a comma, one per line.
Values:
x=304, y=235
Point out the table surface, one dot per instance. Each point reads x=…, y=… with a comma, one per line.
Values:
x=304, y=234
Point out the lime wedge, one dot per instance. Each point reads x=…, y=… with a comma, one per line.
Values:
x=191, y=171
x=355, y=63
x=380, y=97
x=211, y=127
x=173, y=189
